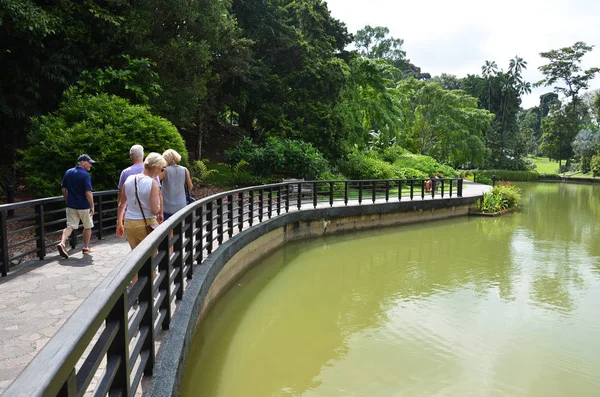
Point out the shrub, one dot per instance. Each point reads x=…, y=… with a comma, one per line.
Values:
x=595, y=165
x=507, y=175
x=426, y=164
x=392, y=153
x=279, y=158
x=361, y=165
x=411, y=173
x=549, y=176
x=502, y=196
x=103, y=126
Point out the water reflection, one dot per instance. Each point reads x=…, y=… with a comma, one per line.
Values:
x=501, y=306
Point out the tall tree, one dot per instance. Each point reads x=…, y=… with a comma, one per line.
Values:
x=565, y=66
x=446, y=125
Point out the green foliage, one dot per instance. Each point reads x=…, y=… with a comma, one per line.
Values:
x=103, y=126
x=280, y=158
x=506, y=175
x=546, y=175
x=501, y=197
x=411, y=173
x=361, y=165
x=446, y=125
x=595, y=165
x=425, y=164
x=136, y=81
x=392, y=153
x=200, y=171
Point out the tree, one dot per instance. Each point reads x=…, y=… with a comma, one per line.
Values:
x=373, y=43
x=565, y=66
x=585, y=145
x=559, y=129
x=448, y=81
x=446, y=125
x=488, y=70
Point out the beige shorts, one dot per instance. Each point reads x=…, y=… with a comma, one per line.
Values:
x=135, y=229
x=74, y=216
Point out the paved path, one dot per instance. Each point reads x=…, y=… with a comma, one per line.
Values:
x=36, y=300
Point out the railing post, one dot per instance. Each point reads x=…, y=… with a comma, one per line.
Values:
x=69, y=388
x=279, y=200
x=165, y=284
x=100, y=230
x=400, y=190
x=360, y=192
x=4, y=242
x=270, y=203
x=412, y=189
x=423, y=189
x=146, y=297
x=299, y=195
x=220, y=220
x=387, y=191
x=261, y=203
x=189, y=247
x=229, y=216
x=10, y=198
x=433, y=187
x=346, y=193
x=118, y=351
x=251, y=207
x=331, y=194
x=314, y=192
x=459, y=187
x=287, y=197
x=178, y=247
x=374, y=193
x=209, y=226
x=199, y=230
x=40, y=231
x=442, y=188
x=451, y=180
x=240, y=211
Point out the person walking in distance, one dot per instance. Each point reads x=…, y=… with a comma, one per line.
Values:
x=77, y=191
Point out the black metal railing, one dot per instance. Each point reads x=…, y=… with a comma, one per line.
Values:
x=117, y=326
x=30, y=229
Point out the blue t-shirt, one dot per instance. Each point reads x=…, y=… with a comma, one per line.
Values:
x=77, y=181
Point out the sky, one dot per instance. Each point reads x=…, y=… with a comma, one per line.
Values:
x=457, y=37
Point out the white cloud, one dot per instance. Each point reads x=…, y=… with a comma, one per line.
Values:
x=457, y=37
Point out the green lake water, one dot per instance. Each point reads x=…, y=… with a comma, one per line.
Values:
x=506, y=306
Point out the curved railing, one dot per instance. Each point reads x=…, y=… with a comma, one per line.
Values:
x=108, y=344
x=30, y=228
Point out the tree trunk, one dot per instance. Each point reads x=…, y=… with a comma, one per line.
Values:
x=199, y=135
x=246, y=124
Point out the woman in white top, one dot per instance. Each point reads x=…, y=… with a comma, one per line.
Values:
x=129, y=217
x=174, y=181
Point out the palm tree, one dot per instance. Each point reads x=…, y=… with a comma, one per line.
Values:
x=487, y=71
x=515, y=66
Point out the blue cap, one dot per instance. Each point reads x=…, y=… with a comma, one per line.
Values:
x=85, y=157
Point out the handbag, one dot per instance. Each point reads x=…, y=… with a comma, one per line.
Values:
x=149, y=228
x=188, y=199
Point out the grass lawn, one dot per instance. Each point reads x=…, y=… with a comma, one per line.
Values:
x=545, y=166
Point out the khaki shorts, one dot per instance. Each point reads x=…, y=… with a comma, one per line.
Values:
x=135, y=229
x=74, y=216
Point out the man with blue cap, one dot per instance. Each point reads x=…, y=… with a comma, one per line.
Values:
x=77, y=191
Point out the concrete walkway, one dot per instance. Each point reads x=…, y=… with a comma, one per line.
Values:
x=36, y=300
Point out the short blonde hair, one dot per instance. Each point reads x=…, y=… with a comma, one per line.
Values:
x=172, y=157
x=154, y=160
